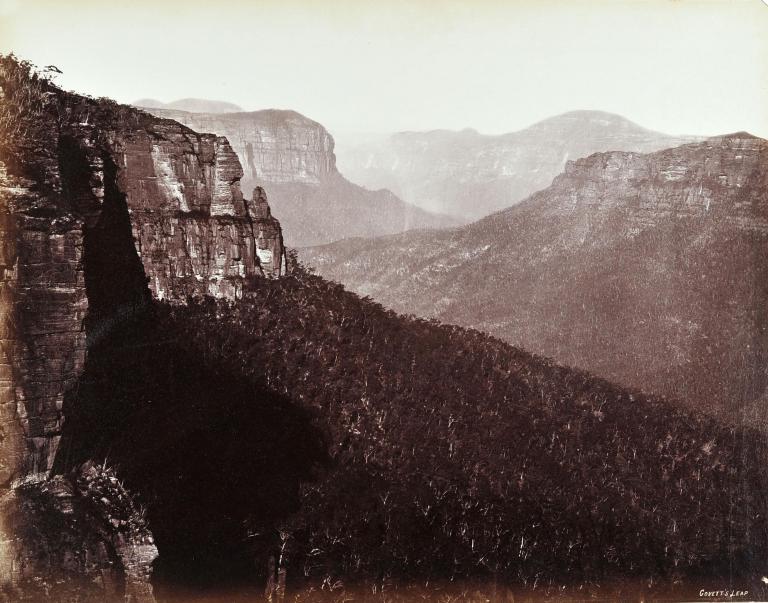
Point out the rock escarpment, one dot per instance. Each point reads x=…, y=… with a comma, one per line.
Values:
x=722, y=179
x=293, y=158
x=274, y=146
x=101, y=208
x=648, y=269
x=194, y=231
x=131, y=197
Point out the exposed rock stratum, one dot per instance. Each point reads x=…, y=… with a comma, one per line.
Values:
x=102, y=207
x=293, y=157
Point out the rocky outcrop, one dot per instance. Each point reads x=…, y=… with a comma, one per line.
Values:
x=124, y=202
x=293, y=158
x=102, y=207
x=648, y=269
x=75, y=538
x=470, y=175
x=274, y=146
x=194, y=231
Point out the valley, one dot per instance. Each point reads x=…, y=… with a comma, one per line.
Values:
x=648, y=269
x=458, y=368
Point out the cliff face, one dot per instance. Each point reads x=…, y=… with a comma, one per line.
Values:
x=102, y=207
x=648, y=269
x=145, y=201
x=722, y=178
x=470, y=175
x=293, y=157
x=44, y=302
x=273, y=146
x=194, y=231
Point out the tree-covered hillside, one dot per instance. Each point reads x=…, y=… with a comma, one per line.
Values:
x=646, y=269
x=448, y=455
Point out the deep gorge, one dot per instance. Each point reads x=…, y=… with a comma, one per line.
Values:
x=186, y=408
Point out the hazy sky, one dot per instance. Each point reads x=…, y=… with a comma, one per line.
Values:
x=679, y=66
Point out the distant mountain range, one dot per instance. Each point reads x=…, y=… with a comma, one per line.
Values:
x=197, y=105
x=292, y=157
x=176, y=426
x=470, y=175
x=648, y=269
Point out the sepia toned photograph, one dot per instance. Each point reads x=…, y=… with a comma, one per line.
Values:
x=367, y=301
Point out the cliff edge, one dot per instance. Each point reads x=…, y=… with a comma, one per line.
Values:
x=102, y=207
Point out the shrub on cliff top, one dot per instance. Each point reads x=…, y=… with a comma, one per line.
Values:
x=26, y=95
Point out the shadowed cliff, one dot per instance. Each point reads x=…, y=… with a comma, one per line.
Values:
x=244, y=431
x=102, y=208
x=215, y=456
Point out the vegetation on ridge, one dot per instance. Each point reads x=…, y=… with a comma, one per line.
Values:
x=427, y=453
x=457, y=456
x=25, y=95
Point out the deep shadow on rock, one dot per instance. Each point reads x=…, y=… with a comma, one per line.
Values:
x=216, y=458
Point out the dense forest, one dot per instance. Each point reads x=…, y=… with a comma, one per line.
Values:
x=653, y=283
x=309, y=438
x=308, y=430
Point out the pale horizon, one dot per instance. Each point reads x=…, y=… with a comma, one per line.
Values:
x=682, y=67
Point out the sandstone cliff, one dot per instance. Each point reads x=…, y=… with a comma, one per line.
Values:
x=119, y=191
x=273, y=146
x=293, y=158
x=101, y=208
x=648, y=269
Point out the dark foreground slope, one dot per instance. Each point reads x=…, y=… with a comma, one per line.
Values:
x=433, y=456
x=647, y=269
x=301, y=428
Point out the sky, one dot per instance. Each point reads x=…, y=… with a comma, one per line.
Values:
x=677, y=66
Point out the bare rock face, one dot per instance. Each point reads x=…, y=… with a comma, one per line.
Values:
x=274, y=146
x=647, y=269
x=43, y=299
x=293, y=157
x=101, y=208
x=127, y=202
x=194, y=231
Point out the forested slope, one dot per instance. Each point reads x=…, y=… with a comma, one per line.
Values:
x=448, y=455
